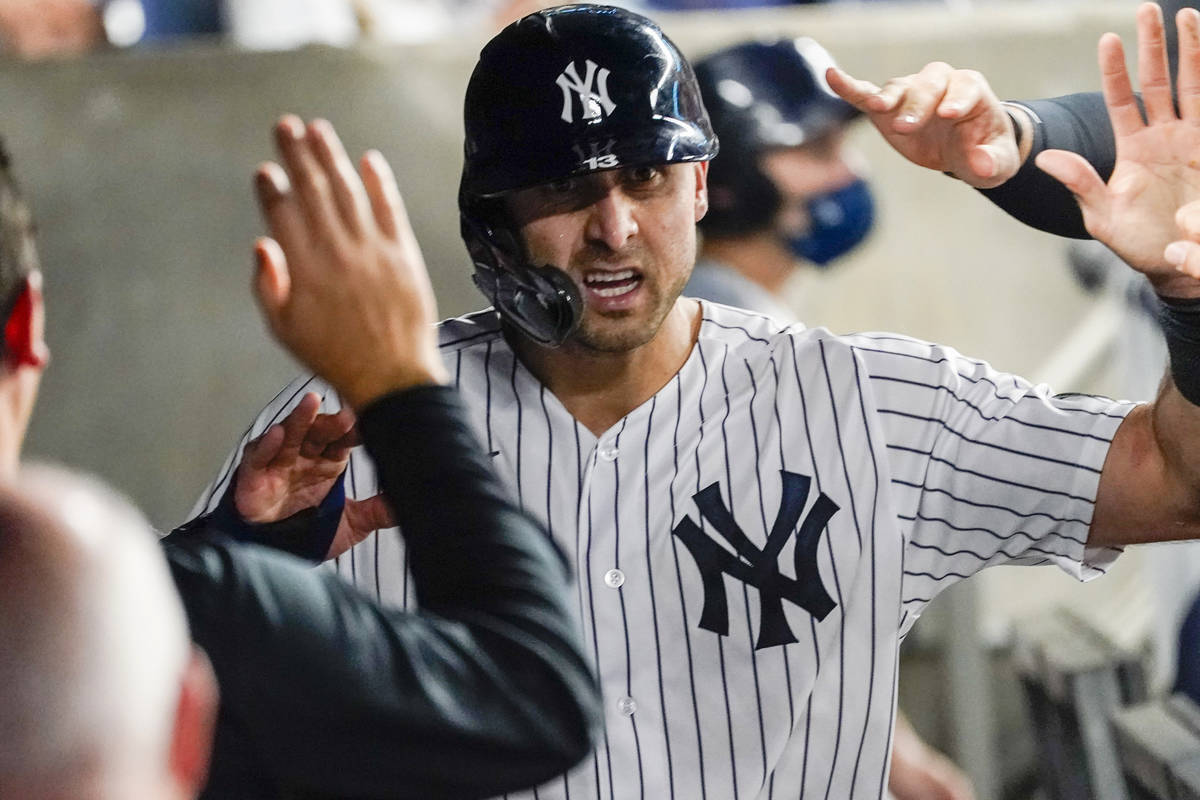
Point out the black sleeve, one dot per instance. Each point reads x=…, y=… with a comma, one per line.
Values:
x=306, y=534
x=1078, y=123
x=324, y=693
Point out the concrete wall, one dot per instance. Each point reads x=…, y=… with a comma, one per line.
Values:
x=138, y=166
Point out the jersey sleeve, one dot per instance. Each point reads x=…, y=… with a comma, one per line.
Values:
x=986, y=468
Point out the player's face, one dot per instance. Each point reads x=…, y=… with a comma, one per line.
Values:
x=627, y=237
x=821, y=166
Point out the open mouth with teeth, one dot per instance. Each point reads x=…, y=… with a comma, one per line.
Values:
x=608, y=285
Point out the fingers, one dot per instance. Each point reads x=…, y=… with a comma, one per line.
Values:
x=967, y=93
x=911, y=99
x=330, y=436
x=984, y=160
x=1185, y=257
x=347, y=189
x=309, y=181
x=272, y=283
x=1188, y=220
x=295, y=427
x=386, y=203
x=279, y=206
x=863, y=95
x=368, y=515
x=1074, y=172
x=1152, y=65
x=259, y=453
x=923, y=93
x=1118, y=91
x=1187, y=21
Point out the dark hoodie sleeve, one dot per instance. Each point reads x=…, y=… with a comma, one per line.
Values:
x=324, y=693
x=1078, y=123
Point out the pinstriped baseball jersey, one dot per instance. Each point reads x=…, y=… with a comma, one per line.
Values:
x=754, y=540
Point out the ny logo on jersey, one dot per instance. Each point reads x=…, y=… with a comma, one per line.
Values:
x=592, y=91
x=759, y=568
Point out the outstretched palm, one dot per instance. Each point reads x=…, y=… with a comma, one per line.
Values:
x=1158, y=159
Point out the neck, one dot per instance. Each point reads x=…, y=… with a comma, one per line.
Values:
x=599, y=387
x=15, y=404
x=760, y=257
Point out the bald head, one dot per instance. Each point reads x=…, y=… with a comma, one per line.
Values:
x=95, y=644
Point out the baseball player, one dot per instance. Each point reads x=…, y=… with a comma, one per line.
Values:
x=757, y=513
x=787, y=192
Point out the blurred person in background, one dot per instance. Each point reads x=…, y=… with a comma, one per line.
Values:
x=786, y=191
x=41, y=28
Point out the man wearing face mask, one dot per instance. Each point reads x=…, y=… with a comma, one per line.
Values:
x=786, y=189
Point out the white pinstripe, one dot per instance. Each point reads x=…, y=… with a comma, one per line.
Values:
x=939, y=466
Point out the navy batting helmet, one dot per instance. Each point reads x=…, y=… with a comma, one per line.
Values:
x=566, y=91
x=762, y=95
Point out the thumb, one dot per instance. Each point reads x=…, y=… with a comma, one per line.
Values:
x=1074, y=172
x=991, y=164
x=272, y=282
x=369, y=515
x=1185, y=257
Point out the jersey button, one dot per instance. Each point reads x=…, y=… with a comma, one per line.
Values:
x=609, y=452
x=627, y=705
x=614, y=578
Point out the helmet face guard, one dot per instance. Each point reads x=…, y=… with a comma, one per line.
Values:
x=566, y=91
x=762, y=96
x=542, y=302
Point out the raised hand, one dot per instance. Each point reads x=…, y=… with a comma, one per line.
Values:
x=1157, y=169
x=341, y=281
x=941, y=118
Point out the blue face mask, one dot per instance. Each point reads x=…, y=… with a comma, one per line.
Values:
x=839, y=220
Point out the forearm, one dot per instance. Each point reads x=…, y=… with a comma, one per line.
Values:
x=484, y=691
x=1176, y=413
x=324, y=693
x=306, y=534
x=1150, y=485
x=1078, y=123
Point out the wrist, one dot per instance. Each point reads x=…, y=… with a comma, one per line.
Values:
x=368, y=388
x=1174, y=286
x=1023, y=121
x=1180, y=321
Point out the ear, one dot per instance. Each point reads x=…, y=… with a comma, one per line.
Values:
x=195, y=725
x=701, y=189
x=24, y=330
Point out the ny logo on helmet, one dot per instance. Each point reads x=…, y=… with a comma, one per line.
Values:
x=592, y=91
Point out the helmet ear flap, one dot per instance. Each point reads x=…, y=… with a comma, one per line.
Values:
x=541, y=301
